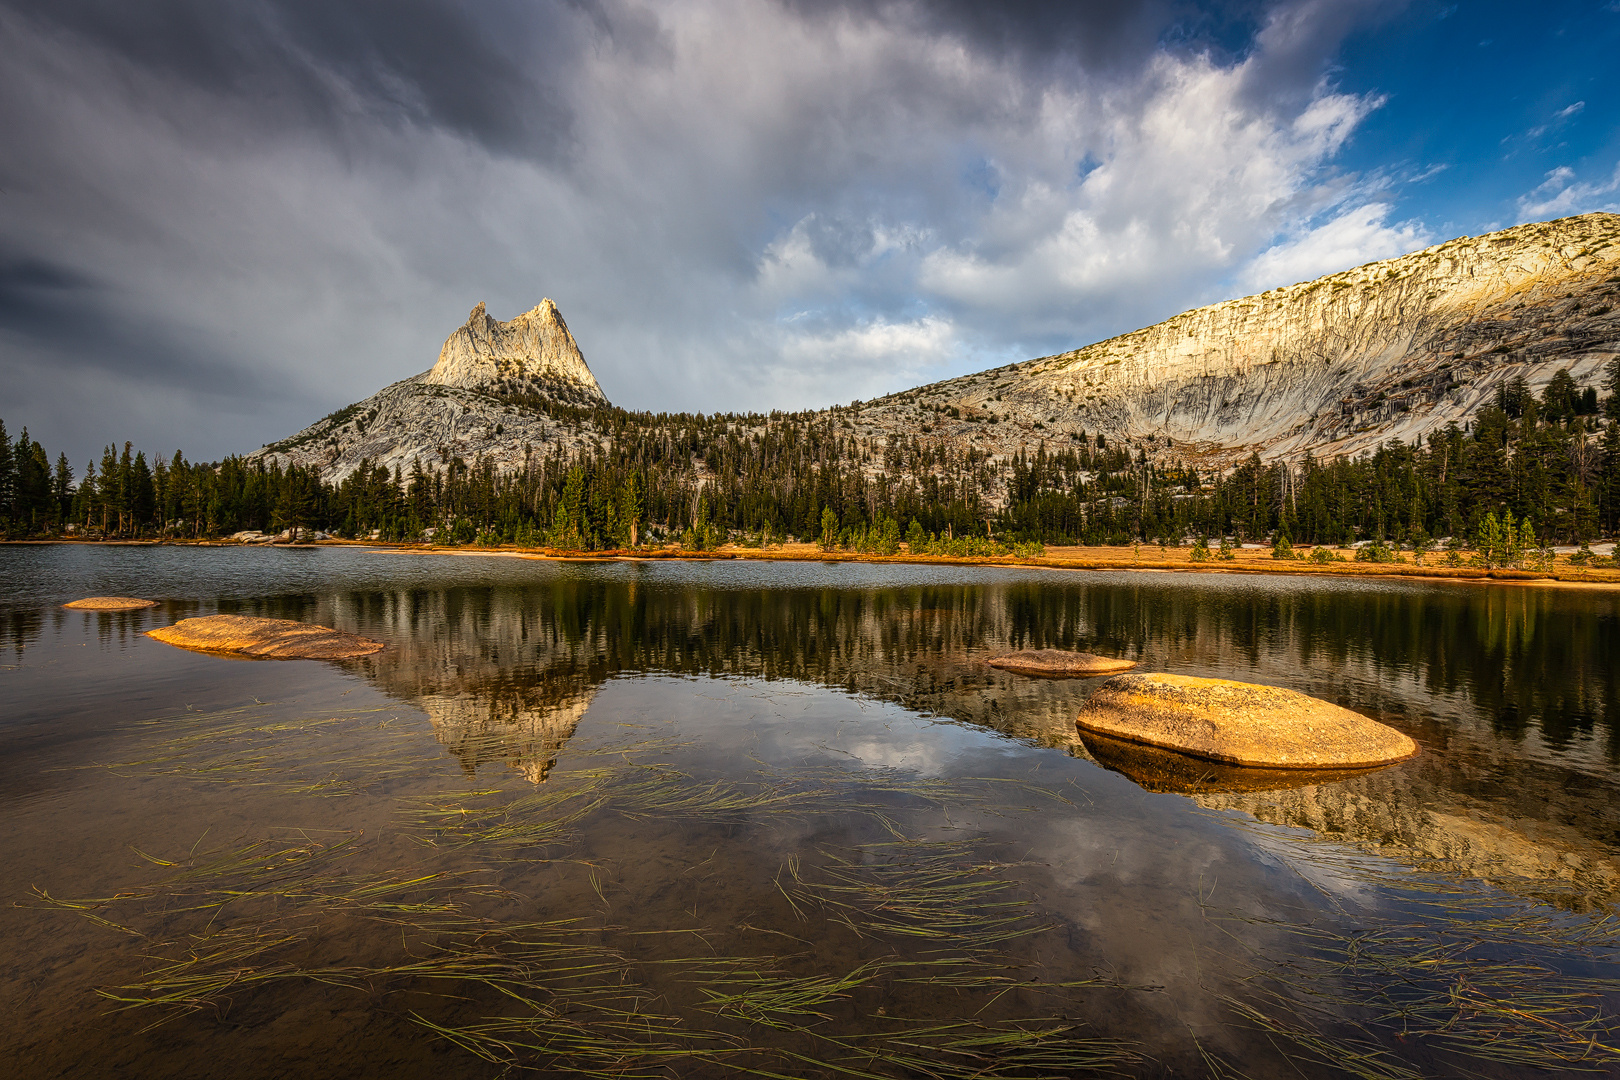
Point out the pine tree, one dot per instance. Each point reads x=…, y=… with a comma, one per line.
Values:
x=62, y=488
x=107, y=490
x=628, y=513
x=8, y=478
x=1610, y=483
x=829, y=529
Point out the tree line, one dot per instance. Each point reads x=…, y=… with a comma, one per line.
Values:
x=1552, y=461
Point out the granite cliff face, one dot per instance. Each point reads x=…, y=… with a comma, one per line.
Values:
x=1393, y=349
x=534, y=353
x=489, y=394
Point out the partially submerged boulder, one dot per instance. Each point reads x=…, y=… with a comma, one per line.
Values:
x=1240, y=723
x=277, y=639
x=1059, y=663
x=1157, y=769
x=110, y=603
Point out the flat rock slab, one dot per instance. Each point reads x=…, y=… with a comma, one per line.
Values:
x=1059, y=663
x=1240, y=723
x=274, y=639
x=110, y=603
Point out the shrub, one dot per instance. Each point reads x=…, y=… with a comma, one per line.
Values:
x=1375, y=552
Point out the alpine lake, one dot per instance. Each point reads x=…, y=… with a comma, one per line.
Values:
x=725, y=819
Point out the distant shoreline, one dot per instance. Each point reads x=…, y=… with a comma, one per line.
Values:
x=1151, y=559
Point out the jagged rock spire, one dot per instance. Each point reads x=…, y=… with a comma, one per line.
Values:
x=534, y=348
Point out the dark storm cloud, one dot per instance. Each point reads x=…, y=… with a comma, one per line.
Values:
x=479, y=70
x=232, y=218
x=1115, y=35
x=1296, y=38
x=63, y=308
x=34, y=290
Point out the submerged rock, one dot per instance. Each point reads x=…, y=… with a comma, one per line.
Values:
x=110, y=603
x=1240, y=723
x=277, y=639
x=1158, y=769
x=1060, y=663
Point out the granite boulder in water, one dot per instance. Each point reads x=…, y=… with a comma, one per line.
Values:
x=273, y=639
x=1240, y=723
x=1060, y=663
x=110, y=603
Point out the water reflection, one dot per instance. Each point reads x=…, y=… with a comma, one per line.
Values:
x=506, y=673
x=522, y=727
x=1510, y=690
x=687, y=764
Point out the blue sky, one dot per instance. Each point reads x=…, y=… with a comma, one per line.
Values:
x=223, y=219
x=1499, y=95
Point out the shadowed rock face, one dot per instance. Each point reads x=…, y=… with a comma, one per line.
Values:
x=1167, y=771
x=1240, y=723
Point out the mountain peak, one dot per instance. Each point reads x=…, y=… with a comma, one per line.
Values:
x=533, y=352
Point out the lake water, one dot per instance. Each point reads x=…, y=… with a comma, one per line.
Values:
x=722, y=819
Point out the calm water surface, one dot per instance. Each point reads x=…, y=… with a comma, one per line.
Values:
x=723, y=819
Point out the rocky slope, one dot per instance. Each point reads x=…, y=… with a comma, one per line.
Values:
x=1393, y=349
x=491, y=392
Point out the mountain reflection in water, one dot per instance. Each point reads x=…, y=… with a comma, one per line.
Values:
x=662, y=750
x=1514, y=786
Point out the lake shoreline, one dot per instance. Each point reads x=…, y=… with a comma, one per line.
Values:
x=1172, y=560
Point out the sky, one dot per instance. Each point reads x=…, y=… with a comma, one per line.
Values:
x=220, y=221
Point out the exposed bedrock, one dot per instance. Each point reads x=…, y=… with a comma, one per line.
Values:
x=1339, y=365
x=1393, y=349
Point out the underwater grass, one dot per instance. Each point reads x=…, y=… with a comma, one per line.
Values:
x=218, y=924
x=1468, y=972
x=337, y=753
x=1473, y=978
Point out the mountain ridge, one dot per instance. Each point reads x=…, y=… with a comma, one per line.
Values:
x=1337, y=365
x=1394, y=349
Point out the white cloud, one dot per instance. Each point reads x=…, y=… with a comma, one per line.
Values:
x=1360, y=234
x=868, y=357
x=1557, y=120
x=1561, y=195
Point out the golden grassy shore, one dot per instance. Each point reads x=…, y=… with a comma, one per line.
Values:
x=1146, y=557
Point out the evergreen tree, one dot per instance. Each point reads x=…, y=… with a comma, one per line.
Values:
x=1610, y=483
x=62, y=488
x=8, y=479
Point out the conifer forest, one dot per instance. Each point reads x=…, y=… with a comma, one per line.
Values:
x=1551, y=461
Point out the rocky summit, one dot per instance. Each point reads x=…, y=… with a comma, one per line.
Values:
x=496, y=392
x=1395, y=349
